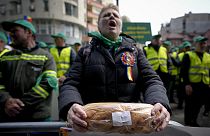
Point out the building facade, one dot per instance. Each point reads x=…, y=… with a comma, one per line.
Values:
x=49, y=17
x=186, y=27
x=93, y=9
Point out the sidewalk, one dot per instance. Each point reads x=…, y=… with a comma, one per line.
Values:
x=178, y=116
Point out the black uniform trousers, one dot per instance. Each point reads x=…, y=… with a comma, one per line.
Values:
x=180, y=94
x=194, y=102
x=164, y=77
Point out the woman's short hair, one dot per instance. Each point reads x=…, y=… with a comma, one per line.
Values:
x=109, y=6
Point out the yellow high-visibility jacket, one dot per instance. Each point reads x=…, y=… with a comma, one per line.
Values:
x=174, y=69
x=199, y=69
x=62, y=60
x=157, y=59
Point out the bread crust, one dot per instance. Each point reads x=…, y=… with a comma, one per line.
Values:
x=100, y=117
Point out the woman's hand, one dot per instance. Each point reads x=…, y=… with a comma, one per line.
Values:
x=76, y=118
x=164, y=117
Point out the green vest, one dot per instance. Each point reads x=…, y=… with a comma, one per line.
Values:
x=62, y=61
x=199, y=69
x=157, y=59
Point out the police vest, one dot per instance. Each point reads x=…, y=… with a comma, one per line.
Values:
x=180, y=56
x=199, y=69
x=157, y=59
x=174, y=69
x=62, y=61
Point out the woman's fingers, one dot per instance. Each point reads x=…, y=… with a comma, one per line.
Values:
x=76, y=118
x=163, y=119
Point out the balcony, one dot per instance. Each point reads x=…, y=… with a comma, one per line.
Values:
x=92, y=15
x=95, y=4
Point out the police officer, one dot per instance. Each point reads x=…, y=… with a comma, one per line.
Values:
x=183, y=48
x=157, y=56
x=43, y=45
x=195, y=73
x=173, y=71
x=63, y=56
x=77, y=46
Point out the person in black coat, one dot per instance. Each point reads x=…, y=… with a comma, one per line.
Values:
x=195, y=74
x=111, y=69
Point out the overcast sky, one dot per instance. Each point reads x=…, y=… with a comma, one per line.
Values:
x=160, y=11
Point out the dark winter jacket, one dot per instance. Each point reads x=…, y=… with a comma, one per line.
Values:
x=100, y=76
x=19, y=74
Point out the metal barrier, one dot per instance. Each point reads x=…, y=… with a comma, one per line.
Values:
x=173, y=129
x=26, y=127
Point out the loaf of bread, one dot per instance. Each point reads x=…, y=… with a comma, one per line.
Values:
x=120, y=117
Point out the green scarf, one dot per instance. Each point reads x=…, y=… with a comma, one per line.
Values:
x=106, y=41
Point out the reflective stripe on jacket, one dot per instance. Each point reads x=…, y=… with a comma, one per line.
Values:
x=157, y=59
x=39, y=59
x=4, y=51
x=62, y=61
x=199, y=69
x=19, y=72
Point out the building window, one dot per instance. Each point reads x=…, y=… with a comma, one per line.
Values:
x=2, y=9
x=85, y=17
x=96, y=10
x=89, y=20
x=69, y=30
x=31, y=6
x=18, y=8
x=76, y=32
x=44, y=27
x=15, y=7
x=71, y=9
x=49, y=27
x=99, y=1
x=46, y=5
x=85, y=4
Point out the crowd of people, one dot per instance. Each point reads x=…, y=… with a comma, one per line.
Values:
x=184, y=69
x=110, y=68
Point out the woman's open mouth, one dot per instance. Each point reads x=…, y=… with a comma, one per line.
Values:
x=112, y=23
